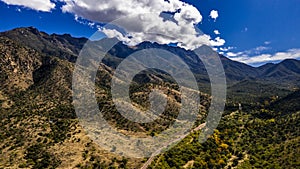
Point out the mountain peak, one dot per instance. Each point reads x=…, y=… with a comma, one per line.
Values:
x=24, y=30
x=289, y=61
x=62, y=46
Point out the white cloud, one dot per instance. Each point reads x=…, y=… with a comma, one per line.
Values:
x=226, y=49
x=85, y=22
x=256, y=51
x=244, y=54
x=217, y=32
x=214, y=14
x=268, y=58
x=91, y=24
x=261, y=48
x=215, y=49
x=267, y=42
x=232, y=54
x=39, y=5
x=181, y=28
x=217, y=42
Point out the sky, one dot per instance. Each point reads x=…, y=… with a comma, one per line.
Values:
x=254, y=32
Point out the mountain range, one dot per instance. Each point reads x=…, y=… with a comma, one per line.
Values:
x=39, y=129
x=283, y=76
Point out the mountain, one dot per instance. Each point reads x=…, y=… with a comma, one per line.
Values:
x=63, y=46
x=284, y=74
x=283, y=77
x=39, y=127
x=251, y=91
x=288, y=67
x=288, y=104
x=236, y=71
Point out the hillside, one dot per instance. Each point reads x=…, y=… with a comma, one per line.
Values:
x=62, y=46
x=287, y=71
x=288, y=104
x=39, y=127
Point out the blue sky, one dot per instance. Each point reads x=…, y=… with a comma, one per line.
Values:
x=255, y=31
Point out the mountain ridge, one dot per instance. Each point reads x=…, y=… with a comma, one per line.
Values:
x=283, y=75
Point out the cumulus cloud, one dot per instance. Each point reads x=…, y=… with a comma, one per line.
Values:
x=39, y=5
x=146, y=20
x=214, y=14
x=217, y=42
x=217, y=32
x=268, y=58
